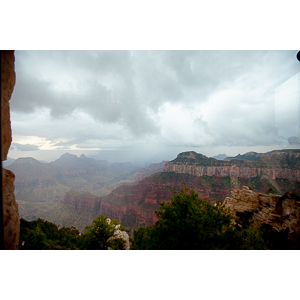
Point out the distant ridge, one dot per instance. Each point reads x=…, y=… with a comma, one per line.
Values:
x=8, y=162
x=220, y=156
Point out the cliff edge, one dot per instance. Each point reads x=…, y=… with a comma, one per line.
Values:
x=280, y=212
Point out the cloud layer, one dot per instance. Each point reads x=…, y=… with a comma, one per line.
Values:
x=131, y=99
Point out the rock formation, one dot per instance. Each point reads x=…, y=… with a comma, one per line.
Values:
x=10, y=208
x=278, y=211
x=119, y=234
x=8, y=79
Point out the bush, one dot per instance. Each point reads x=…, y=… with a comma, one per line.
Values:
x=270, y=191
x=97, y=236
x=41, y=235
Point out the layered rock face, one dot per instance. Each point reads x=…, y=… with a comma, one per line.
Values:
x=277, y=211
x=233, y=171
x=10, y=207
x=269, y=166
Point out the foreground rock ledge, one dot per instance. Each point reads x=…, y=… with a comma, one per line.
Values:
x=277, y=211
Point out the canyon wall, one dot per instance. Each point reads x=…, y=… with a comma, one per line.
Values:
x=11, y=221
x=133, y=206
x=233, y=171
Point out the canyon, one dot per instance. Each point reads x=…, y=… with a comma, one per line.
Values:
x=134, y=199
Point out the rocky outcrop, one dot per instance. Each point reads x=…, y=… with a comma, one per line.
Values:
x=277, y=211
x=119, y=234
x=10, y=208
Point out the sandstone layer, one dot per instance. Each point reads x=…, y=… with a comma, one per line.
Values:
x=269, y=166
x=233, y=171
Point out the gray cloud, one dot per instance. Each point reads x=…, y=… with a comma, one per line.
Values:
x=117, y=99
x=24, y=147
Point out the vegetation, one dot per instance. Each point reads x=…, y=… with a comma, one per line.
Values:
x=270, y=191
x=44, y=235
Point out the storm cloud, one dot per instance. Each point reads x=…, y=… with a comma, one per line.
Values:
x=147, y=99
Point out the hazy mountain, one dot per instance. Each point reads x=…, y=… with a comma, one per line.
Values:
x=220, y=156
x=46, y=183
x=7, y=162
x=40, y=186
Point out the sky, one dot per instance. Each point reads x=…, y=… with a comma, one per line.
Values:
x=148, y=106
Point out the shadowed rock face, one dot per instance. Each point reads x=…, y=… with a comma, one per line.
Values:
x=279, y=212
x=10, y=212
x=8, y=79
x=10, y=207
